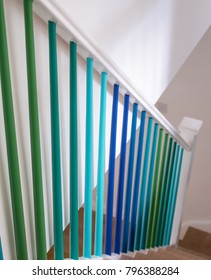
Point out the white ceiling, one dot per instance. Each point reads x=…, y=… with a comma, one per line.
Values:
x=148, y=39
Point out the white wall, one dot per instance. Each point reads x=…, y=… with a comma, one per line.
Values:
x=148, y=39
x=16, y=42
x=189, y=94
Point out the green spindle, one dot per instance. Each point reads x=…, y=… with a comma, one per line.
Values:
x=163, y=193
x=73, y=153
x=35, y=134
x=11, y=142
x=170, y=198
x=159, y=190
x=88, y=162
x=166, y=194
x=154, y=190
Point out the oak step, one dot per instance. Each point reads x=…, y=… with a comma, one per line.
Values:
x=198, y=241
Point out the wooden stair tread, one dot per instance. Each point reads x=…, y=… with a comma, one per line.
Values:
x=188, y=253
x=198, y=241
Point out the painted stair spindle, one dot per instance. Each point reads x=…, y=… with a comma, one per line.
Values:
x=35, y=134
x=149, y=188
x=111, y=172
x=1, y=252
x=55, y=146
x=163, y=192
x=137, y=183
x=11, y=143
x=158, y=191
x=154, y=189
x=87, y=247
x=118, y=228
x=143, y=186
x=170, y=198
x=129, y=180
x=73, y=153
x=172, y=210
x=167, y=191
x=101, y=169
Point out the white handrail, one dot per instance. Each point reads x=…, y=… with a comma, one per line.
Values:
x=52, y=9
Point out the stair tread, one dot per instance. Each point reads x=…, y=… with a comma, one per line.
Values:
x=188, y=252
x=198, y=241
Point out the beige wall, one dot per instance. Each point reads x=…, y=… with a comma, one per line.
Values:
x=189, y=94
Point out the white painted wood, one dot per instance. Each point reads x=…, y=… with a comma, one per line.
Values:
x=52, y=9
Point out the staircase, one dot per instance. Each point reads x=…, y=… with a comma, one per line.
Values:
x=196, y=245
x=65, y=163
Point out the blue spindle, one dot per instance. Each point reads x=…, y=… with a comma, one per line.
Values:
x=137, y=183
x=143, y=186
x=121, y=177
x=111, y=172
x=129, y=180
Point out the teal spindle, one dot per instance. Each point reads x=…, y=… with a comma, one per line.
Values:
x=73, y=153
x=174, y=196
x=101, y=169
x=170, y=198
x=149, y=188
x=1, y=252
x=88, y=161
x=55, y=145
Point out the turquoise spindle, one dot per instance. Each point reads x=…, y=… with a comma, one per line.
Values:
x=149, y=188
x=1, y=252
x=101, y=169
x=137, y=183
x=88, y=161
x=73, y=153
x=172, y=210
x=55, y=145
x=129, y=180
x=118, y=228
x=170, y=198
x=111, y=173
x=143, y=186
